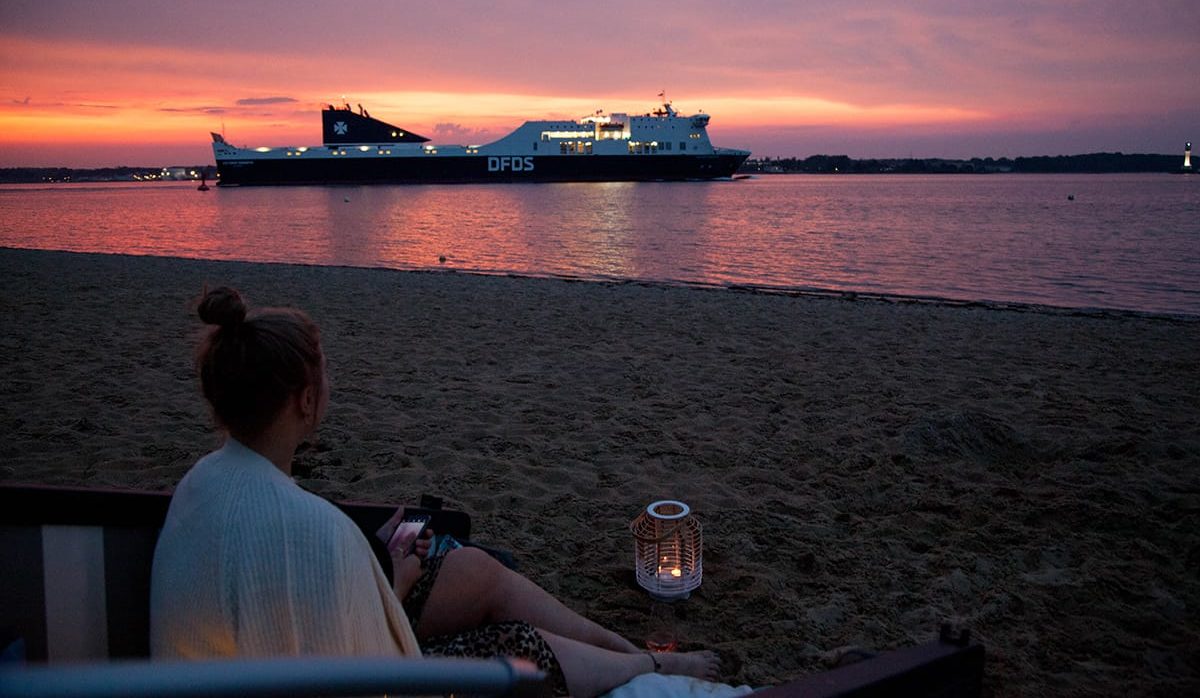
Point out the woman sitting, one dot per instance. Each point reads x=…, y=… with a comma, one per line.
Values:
x=249, y=564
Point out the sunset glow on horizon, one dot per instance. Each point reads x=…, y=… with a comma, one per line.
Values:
x=140, y=83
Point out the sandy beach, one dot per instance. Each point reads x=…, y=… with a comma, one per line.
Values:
x=863, y=468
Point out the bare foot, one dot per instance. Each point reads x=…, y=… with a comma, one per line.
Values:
x=702, y=664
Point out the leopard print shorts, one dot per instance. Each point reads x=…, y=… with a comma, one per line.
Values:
x=414, y=601
x=513, y=638
x=507, y=639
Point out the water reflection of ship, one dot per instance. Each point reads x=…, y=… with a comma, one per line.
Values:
x=661, y=145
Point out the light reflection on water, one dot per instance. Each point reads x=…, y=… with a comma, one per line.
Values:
x=1125, y=241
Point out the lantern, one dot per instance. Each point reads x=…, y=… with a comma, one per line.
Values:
x=667, y=550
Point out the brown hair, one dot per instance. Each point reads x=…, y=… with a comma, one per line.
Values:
x=250, y=363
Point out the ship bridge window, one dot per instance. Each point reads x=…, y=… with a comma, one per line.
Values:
x=612, y=131
x=575, y=147
x=546, y=135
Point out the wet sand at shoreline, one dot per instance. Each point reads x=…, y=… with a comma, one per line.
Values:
x=864, y=469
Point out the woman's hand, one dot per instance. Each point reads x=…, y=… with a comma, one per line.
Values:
x=422, y=544
x=406, y=569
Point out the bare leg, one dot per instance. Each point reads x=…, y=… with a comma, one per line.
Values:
x=591, y=670
x=473, y=589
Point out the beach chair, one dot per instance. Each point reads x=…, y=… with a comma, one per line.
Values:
x=75, y=611
x=75, y=620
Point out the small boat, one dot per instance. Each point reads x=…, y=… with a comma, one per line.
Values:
x=358, y=148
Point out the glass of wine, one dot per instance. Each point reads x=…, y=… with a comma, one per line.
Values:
x=660, y=635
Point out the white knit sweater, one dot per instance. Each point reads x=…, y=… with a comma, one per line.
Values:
x=248, y=564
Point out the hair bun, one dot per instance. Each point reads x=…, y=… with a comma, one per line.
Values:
x=222, y=306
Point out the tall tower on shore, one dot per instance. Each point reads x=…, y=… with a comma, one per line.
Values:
x=1187, y=156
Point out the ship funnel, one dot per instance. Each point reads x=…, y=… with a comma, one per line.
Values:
x=343, y=126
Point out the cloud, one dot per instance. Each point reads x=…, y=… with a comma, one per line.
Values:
x=194, y=110
x=451, y=130
x=257, y=101
x=86, y=105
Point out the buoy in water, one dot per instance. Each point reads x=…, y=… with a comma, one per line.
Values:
x=346, y=199
x=1070, y=197
x=442, y=259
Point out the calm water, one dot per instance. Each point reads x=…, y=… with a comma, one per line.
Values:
x=1124, y=242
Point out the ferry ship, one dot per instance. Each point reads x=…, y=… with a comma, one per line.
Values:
x=358, y=148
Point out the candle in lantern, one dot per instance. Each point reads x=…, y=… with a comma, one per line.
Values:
x=669, y=575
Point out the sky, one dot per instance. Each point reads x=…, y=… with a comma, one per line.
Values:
x=119, y=82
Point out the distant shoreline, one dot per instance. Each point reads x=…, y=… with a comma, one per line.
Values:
x=1089, y=163
x=68, y=175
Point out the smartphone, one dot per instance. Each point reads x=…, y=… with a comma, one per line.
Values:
x=411, y=528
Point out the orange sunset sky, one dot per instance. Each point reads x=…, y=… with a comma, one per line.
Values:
x=142, y=83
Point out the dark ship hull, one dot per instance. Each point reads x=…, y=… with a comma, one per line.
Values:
x=479, y=169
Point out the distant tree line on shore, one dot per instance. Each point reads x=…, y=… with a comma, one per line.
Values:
x=1089, y=163
x=35, y=175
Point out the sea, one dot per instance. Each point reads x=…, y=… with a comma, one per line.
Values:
x=1127, y=242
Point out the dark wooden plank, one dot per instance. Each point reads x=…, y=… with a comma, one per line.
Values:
x=67, y=506
x=22, y=590
x=128, y=554
x=934, y=670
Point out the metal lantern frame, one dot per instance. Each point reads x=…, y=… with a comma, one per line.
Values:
x=668, y=550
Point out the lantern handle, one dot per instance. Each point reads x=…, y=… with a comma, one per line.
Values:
x=667, y=534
